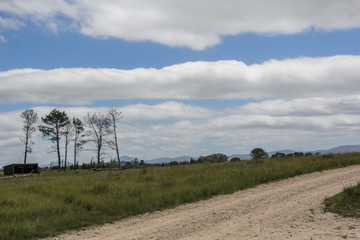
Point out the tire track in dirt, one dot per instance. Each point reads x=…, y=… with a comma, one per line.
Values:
x=288, y=209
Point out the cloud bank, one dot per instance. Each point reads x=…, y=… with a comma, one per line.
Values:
x=303, y=103
x=291, y=78
x=172, y=128
x=194, y=24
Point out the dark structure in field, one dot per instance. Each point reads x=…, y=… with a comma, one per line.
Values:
x=21, y=168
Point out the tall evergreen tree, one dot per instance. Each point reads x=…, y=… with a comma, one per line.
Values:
x=52, y=129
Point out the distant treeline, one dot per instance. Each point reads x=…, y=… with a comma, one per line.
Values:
x=213, y=158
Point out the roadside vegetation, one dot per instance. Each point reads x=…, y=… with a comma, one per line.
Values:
x=346, y=203
x=48, y=204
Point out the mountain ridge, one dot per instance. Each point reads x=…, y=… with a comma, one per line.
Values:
x=339, y=149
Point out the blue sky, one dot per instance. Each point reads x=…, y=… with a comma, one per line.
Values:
x=38, y=48
x=191, y=78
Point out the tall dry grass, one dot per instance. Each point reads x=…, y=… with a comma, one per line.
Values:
x=51, y=203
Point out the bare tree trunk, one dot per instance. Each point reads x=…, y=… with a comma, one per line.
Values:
x=115, y=115
x=77, y=129
x=66, y=148
x=30, y=118
x=58, y=148
x=26, y=144
x=98, y=156
x=116, y=145
x=75, y=150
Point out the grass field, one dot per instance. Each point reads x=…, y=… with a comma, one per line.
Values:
x=48, y=204
x=346, y=203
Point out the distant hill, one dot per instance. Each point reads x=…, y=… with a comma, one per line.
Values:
x=168, y=160
x=125, y=159
x=340, y=149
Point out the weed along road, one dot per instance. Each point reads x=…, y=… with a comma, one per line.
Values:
x=290, y=208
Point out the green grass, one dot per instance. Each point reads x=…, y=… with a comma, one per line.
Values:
x=346, y=203
x=51, y=203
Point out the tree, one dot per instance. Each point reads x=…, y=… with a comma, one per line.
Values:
x=30, y=118
x=100, y=128
x=258, y=154
x=136, y=163
x=193, y=161
x=278, y=155
x=298, y=154
x=235, y=159
x=213, y=158
x=114, y=115
x=54, y=123
x=78, y=129
x=68, y=133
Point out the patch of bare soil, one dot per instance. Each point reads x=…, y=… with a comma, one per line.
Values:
x=289, y=209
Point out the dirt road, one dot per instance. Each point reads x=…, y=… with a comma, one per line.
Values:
x=289, y=209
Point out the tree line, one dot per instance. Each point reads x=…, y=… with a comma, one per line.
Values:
x=95, y=129
x=99, y=131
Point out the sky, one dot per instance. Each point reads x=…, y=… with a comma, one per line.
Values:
x=190, y=77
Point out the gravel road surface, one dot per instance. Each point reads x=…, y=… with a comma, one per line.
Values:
x=288, y=209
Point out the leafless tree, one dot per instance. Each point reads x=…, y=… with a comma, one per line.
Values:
x=114, y=116
x=68, y=133
x=30, y=117
x=100, y=129
x=78, y=129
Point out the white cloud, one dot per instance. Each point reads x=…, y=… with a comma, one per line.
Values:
x=287, y=79
x=53, y=27
x=173, y=128
x=194, y=24
x=313, y=106
x=7, y=23
x=164, y=111
x=2, y=39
